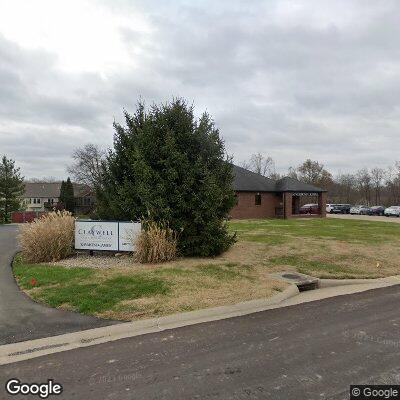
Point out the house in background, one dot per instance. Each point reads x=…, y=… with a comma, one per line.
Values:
x=256, y=197
x=45, y=196
x=261, y=197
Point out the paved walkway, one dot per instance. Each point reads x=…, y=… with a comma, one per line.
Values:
x=365, y=217
x=21, y=318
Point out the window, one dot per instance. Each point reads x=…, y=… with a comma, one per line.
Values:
x=236, y=199
x=257, y=200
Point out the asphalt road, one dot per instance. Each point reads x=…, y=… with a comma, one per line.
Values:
x=309, y=351
x=21, y=318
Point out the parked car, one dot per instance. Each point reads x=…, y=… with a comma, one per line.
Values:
x=309, y=209
x=377, y=210
x=329, y=208
x=361, y=210
x=355, y=209
x=341, y=209
x=393, y=211
x=366, y=210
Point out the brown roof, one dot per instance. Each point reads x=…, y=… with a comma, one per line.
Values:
x=247, y=181
x=52, y=189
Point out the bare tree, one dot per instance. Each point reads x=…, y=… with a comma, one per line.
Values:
x=364, y=184
x=86, y=168
x=262, y=165
x=45, y=179
x=347, y=186
x=292, y=173
x=314, y=173
x=377, y=177
x=393, y=183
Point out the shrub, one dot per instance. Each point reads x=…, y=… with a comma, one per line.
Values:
x=156, y=243
x=173, y=167
x=48, y=238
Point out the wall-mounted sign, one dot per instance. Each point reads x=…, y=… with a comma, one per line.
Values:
x=105, y=235
x=305, y=194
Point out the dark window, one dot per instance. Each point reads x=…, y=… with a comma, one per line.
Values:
x=258, y=199
x=236, y=199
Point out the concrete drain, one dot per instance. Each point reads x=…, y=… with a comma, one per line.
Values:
x=302, y=281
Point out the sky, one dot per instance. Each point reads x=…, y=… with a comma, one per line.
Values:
x=293, y=80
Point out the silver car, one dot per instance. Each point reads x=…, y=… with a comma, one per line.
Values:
x=393, y=211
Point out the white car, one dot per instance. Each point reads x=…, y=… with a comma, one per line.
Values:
x=329, y=208
x=356, y=209
x=392, y=211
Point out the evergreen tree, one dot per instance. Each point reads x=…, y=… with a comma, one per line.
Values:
x=70, y=198
x=62, y=198
x=167, y=166
x=11, y=188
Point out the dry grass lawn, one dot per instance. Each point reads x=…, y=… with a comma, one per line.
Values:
x=118, y=288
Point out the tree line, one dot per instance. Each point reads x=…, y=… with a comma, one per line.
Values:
x=370, y=186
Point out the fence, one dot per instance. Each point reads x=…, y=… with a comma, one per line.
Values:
x=19, y=217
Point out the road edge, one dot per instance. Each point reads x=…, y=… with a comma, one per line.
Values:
x=14, y=352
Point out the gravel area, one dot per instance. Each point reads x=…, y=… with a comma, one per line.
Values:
x=99, y=261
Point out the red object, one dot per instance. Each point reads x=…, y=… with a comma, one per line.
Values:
x=33, y=282
x=309, y=209
x=19, y=217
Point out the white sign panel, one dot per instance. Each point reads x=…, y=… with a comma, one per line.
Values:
x=128, y=231
x=105, y=235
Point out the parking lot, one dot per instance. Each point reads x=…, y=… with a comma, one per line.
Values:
x=364, y=217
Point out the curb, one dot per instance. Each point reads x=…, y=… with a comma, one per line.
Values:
x=325, y=283
x=20, y=351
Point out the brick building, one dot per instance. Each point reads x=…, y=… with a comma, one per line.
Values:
x=261, y=197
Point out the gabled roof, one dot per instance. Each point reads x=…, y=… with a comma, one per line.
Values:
x=288, y=184
x=247, y=181
x=42, y=189
x=52, y=189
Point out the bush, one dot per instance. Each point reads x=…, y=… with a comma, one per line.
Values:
x=156, y=243
x=48, y=238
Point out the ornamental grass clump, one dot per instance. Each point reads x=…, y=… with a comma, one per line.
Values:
x=48, y=238
x=156, y=243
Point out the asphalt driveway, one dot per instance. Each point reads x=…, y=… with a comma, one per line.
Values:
x=365, y=217
x=311, y=351
x=21, y=318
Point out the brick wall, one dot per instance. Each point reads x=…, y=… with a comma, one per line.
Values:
x=287, y=204
x=246, y=208
x=322, y=203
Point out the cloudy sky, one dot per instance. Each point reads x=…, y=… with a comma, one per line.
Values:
x=290, y=79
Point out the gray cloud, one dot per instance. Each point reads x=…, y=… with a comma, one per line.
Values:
x=293, y=80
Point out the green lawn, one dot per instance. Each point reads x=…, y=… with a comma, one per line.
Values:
x=84, y=289
x=324, y=247
x=138, y=292
x=276, y=231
